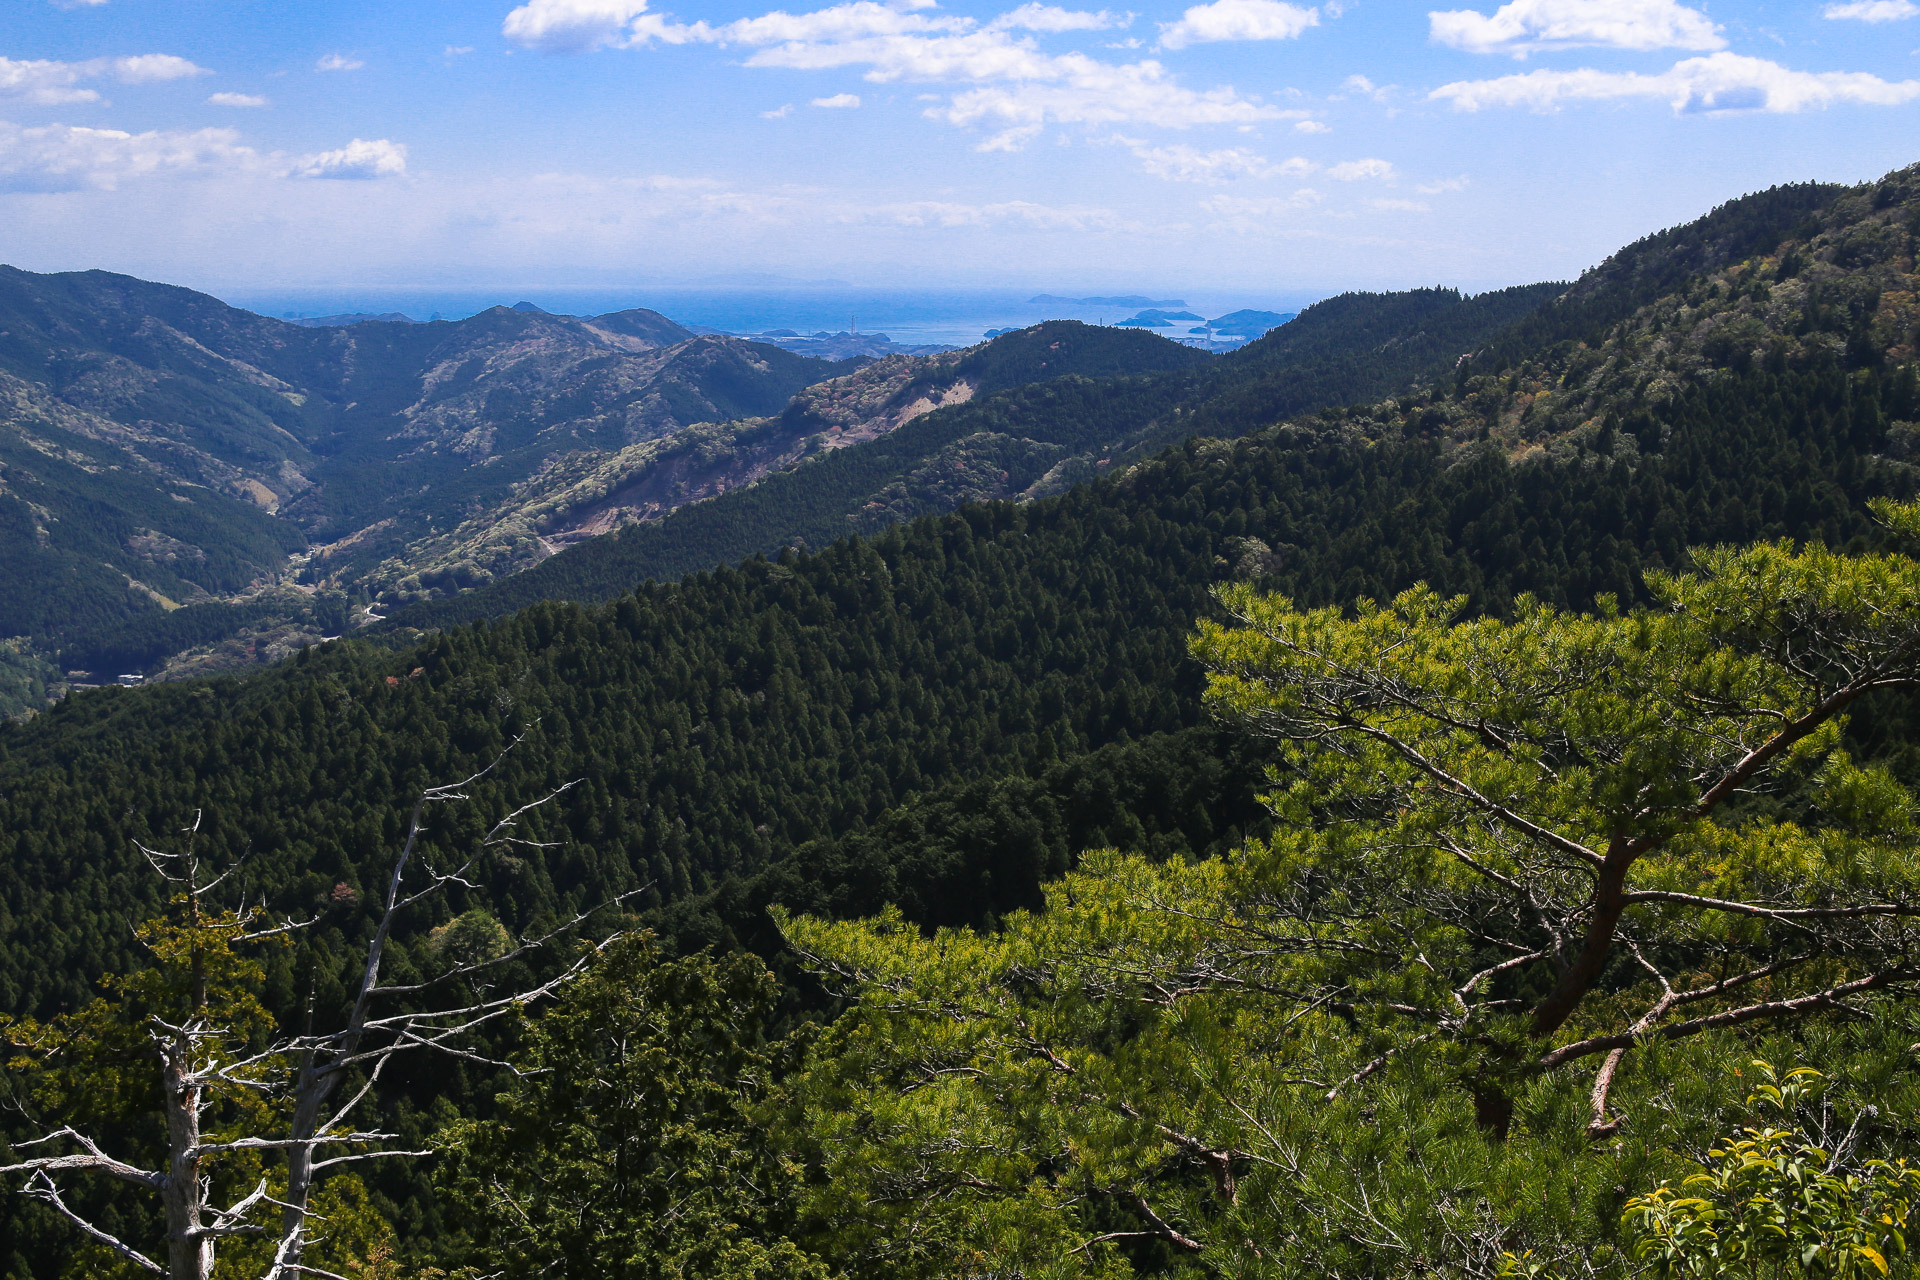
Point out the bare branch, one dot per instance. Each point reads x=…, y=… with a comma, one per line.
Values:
x=282, y=1144
x=365, y=1155
x=1780, y=913
x=290, y=926
x=94, y=1161
x=1378, y=1063
x=1114, y=1235
x=524, y=948
x=1775, y=746
x=41, y=1188
x=1817, y=1002
x=1158, y=1225
x=1466, y=791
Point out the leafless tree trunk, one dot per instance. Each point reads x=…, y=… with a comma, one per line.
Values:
x=303, y=1072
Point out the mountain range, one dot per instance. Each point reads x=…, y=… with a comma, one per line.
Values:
x=1749, y=375
x=185, y=486
x=185, y=478
x=911, y=635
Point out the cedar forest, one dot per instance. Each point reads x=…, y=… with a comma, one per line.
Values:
x=1440, y=800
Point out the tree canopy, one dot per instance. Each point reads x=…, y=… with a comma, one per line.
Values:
x=1510, y=858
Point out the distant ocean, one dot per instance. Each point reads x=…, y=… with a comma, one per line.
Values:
x=955, y=317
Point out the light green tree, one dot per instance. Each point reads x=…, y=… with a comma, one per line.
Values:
x=1769, y=1203
x=1509, y=854
x=1550, y=839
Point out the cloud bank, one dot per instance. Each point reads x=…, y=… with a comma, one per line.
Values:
x=1534, y=26
x=359, y=159
x=66, y=158
x=1872, y=11
x=1238, y=20
x=1720, y=82
x=45, y=82
x=1005, y=80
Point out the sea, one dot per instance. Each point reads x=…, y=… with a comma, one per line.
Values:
x=907, y=316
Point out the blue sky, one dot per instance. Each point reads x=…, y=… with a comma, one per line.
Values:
x=1238, y=145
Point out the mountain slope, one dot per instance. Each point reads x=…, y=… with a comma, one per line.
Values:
x=158, y=447
x=575, y=497
x=1031, y=442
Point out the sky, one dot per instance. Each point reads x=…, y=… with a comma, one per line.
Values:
x=1246, y=147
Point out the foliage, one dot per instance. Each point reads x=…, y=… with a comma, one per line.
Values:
x=639, y=1140
x=1667, y=262
x=1496, y=833
x=27, y=679
x=808, y=697
x=1770, y=1203
x=1502, y=849
x=950, y=713
x=1357, y=348
x=157, y=435
x=135, y=645
x=1068, y=1096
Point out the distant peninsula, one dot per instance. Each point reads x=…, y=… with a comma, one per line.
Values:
x=1128, y=300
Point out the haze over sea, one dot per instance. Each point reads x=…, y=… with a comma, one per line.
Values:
x=910, y=316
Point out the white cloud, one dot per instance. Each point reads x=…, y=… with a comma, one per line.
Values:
x=237, y=100
x=1102, y=95
x=1720, y=82
x=1530, y=26
x=1045, y=17
x=1011, y=139
x=571, y=26
x=1257, y=213
x=150, y=67
x=838, y=100
x=1311, y=126
x=43, y=82
x=1872, y=10
x=360, y=158
x=1460, y=183
x=1016, y=87
x=64, y=158
x=778, y=113
x=77, y=4
x=338, y=62
x=49, y=84
x=1367, y=170
x=1181, y=163
x=1238, y=20
x=1365, y=88
x=457, y=51
x=1399, y=206
x=937, y=213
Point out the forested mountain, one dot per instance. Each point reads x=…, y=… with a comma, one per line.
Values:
x=161, y=448
x=1345, y=504
x=403, y=464
x=943, y=714
x=588, y=495
x=1038, y=438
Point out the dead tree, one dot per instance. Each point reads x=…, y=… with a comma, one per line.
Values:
x=300, y=1080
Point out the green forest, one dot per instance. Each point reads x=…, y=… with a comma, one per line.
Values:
x=1448, y=815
